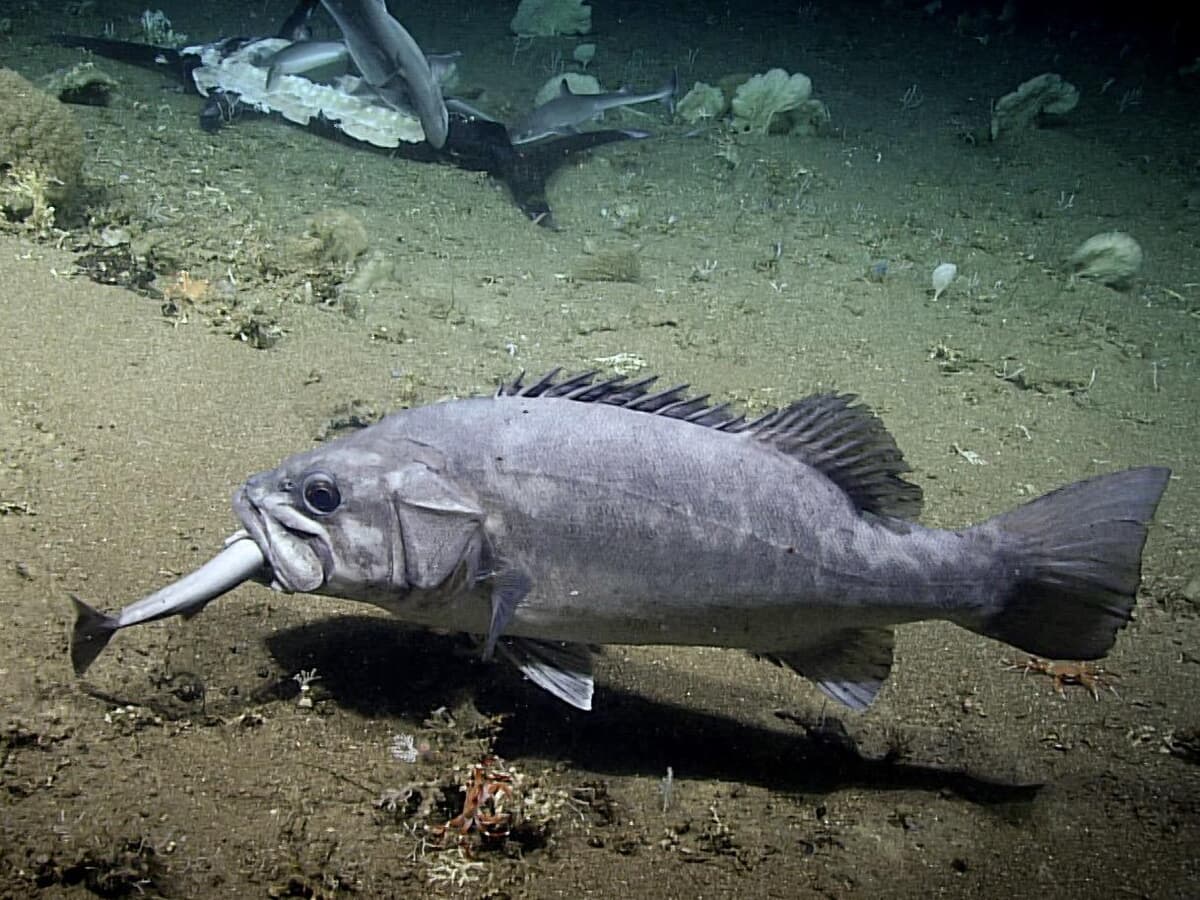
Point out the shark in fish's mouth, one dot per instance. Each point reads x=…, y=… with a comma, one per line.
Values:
x=239, y=562
x=277, y=546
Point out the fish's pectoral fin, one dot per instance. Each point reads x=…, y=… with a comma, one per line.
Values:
x=509, y=587
x=849, y=666
x=190, y=612
x=564, y=669
x=93, y=630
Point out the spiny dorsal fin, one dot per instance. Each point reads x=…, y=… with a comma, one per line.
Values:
x=849, y=444
x=830, y=432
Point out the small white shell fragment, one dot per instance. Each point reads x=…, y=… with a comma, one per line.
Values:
x=942, y=276
x=622, y=363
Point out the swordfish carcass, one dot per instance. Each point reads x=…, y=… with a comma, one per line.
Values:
x=572, y=512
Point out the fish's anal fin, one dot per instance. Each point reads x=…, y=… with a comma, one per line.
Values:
x=563, y=669
x=93, y=630
x=509, y=587
x=849, y=667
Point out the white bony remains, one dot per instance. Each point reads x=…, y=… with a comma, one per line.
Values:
x=357, y=113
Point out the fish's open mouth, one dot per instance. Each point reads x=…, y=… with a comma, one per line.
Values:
x=293, y=547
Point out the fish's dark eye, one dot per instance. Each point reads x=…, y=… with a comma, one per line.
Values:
x=321, y=494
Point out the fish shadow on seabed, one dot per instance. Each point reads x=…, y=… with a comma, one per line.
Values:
x=376, y=667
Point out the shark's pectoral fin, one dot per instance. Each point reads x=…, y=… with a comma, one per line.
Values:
x=563, y=669
x=509, y=587
x=849, y=666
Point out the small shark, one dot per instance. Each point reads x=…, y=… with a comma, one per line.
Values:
x=392, y=63
x=317, y=59
x=296, y=27
x=305, y=58
x=562, y=114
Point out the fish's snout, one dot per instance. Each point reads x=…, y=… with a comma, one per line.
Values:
x=247, y=506
x=258, y=486
x=254, y=497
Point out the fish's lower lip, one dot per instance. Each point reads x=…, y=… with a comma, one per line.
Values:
x=300, y=571
x=247, y=512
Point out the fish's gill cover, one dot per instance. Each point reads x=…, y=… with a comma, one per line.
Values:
x=843, y=440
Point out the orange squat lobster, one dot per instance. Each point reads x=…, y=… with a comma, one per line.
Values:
x=489, y=790
x=1085, y=674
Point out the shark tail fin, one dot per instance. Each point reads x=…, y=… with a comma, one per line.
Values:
x=147, y=56
x=93, y=630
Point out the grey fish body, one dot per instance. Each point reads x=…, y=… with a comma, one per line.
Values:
x=571, y=513
x=391, y=62
x=655, y=525
x=564, y=113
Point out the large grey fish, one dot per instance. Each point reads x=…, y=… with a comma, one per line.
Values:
x=572, y=512
x=560, y=115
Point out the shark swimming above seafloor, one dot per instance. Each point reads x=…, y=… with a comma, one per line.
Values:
x=563, y=113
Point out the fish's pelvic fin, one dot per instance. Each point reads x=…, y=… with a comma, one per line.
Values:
x=563, y=669
x=92, y=632
x=849, y=666
x=1076, y=558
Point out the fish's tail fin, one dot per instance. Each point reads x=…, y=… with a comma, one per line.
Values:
x=1077, y=555
x=93, y=630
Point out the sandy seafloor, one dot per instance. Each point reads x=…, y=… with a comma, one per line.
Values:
x=185, y=765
